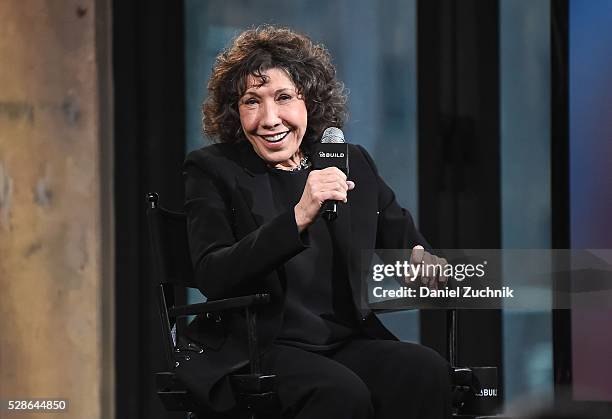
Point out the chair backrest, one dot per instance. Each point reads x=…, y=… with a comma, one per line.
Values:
x=171, y=262
x=170, y=245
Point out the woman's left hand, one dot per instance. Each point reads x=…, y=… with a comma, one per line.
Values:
x=432, y=269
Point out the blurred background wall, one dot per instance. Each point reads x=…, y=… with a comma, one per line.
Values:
x=56, y=283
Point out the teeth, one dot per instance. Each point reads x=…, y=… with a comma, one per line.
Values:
x=275, y=138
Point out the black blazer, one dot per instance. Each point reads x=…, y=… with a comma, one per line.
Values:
x=239, y=242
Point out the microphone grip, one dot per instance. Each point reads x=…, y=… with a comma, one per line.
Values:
x=330, y=210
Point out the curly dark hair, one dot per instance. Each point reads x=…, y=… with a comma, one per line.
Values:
x=254, y=51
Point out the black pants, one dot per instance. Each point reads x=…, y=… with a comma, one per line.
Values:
x=362, y=379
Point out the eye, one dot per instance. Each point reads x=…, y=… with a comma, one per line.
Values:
x=284, y=97
x=250, y=101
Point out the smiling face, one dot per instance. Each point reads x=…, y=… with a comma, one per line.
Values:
x=274, y=118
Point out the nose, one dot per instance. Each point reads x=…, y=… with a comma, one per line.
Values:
x=270, y=117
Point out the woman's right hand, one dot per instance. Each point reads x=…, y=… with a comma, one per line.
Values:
x=321, y=185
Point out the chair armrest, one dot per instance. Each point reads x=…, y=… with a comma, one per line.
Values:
x=219, y=305
x=390, y=310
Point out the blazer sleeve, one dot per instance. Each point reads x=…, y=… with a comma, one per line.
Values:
x=396, y=228
x=224, y=266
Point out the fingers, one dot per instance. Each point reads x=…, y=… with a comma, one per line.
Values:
x=432, y=270
x=329, y=184
x=443, y=279
x=428, y=268
x=332, y=171
x=331, y=175
x=330, y=191
x=331, y=195
x=321, y=185
x=417, y=255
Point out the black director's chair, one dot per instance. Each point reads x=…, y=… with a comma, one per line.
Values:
x=255, y=391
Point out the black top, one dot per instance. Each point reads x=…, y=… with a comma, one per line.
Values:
x=239, y=244
x=319, y=313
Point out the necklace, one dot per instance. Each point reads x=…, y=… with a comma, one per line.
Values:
x=304, y=164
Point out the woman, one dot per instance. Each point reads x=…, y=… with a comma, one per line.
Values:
x=253, y=201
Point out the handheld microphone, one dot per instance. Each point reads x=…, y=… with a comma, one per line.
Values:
x=332, y=151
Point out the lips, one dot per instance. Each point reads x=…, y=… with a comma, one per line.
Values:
x=275, y=138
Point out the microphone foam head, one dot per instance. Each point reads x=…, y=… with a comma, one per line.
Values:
x=332, y=135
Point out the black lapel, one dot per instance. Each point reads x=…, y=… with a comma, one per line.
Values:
x=255, y=186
